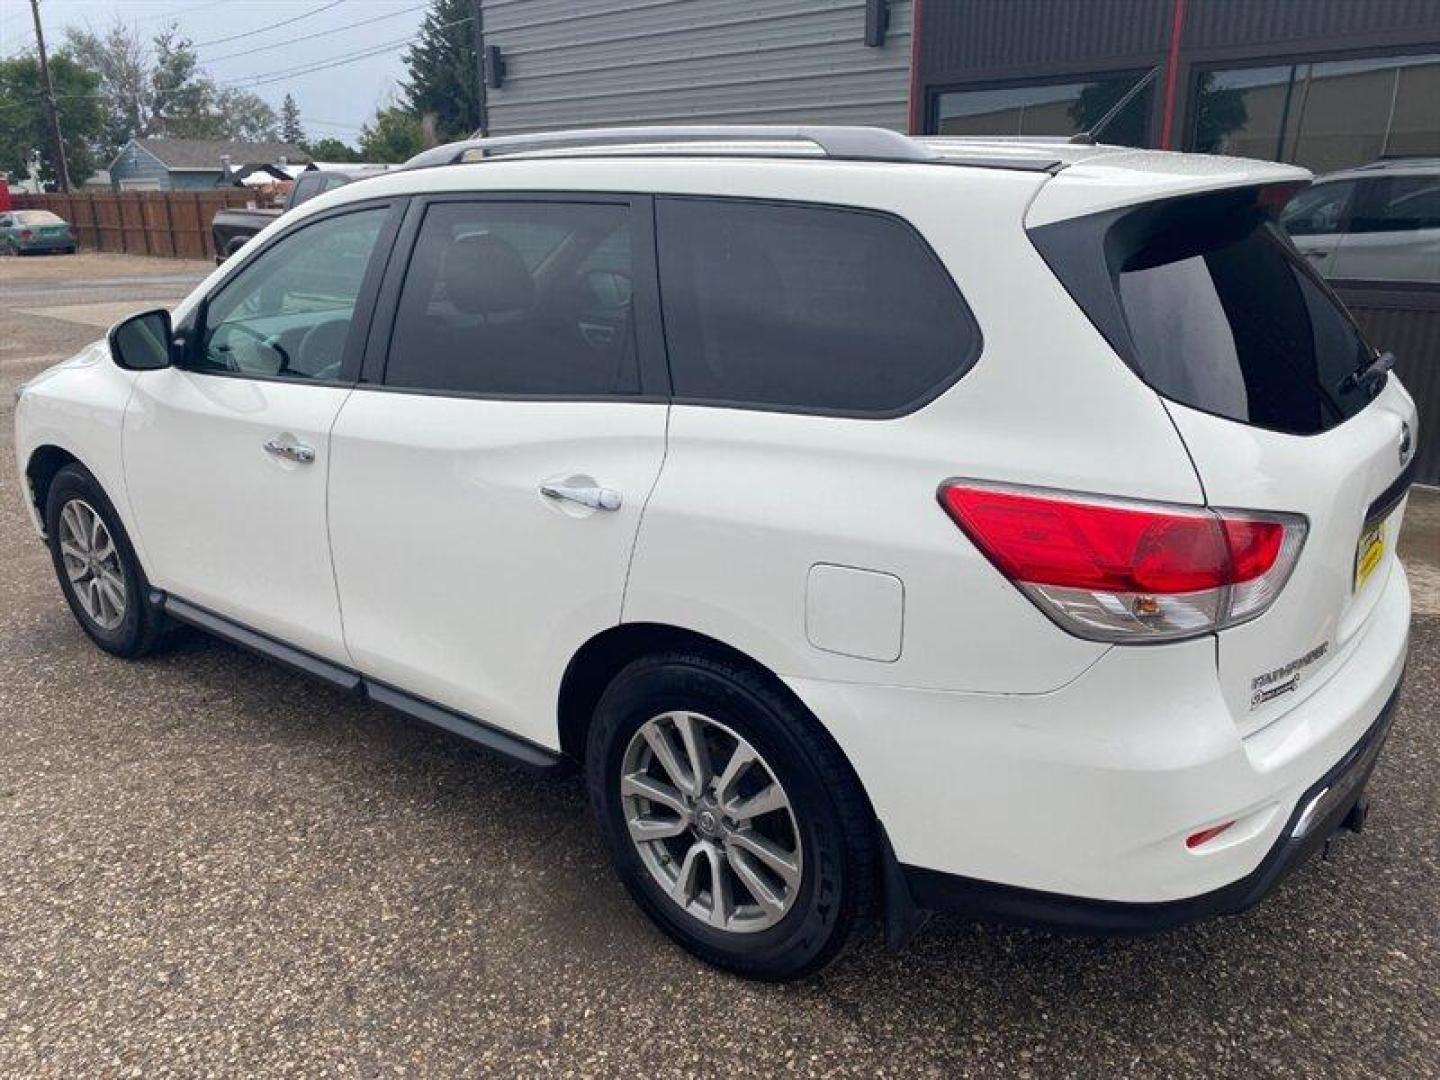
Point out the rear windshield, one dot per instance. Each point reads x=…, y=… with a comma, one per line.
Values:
x=1214, y=309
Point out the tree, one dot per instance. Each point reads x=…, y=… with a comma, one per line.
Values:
x=122, y=62
x=24, y=126
x=330, y=149
x=186, y=103
x=442, y=70
x=394, y=135
x=290, y=129
x=246, y=116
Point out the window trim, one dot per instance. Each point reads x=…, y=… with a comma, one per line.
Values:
x=649, y=337
x=192, y=331
x=939, y=389
x=934, y=92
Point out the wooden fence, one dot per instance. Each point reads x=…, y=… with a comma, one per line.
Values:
x=173, y=224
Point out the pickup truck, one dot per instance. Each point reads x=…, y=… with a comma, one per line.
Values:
x=231, y=228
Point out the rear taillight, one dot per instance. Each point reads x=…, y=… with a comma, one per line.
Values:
x=1116, y=570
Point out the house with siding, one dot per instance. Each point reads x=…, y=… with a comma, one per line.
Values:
x=145, y=164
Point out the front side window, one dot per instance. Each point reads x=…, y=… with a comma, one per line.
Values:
x=1058, y=108
x=287, y=313
x=514, y=298
x=1330, y=115
x=1319, y=210
x=806, y=308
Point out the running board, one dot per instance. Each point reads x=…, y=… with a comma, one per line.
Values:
x=466, y=727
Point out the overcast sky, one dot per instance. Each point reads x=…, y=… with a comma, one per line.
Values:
x=333, y=101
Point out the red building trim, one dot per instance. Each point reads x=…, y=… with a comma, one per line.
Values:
x=1172, y=74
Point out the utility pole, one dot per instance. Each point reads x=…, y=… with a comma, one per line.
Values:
x=477, y=36
x=57, y=147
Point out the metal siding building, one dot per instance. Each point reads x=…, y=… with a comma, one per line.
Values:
x=588, y=63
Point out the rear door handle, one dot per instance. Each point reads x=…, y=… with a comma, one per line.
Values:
x=290, y=450
x=597, y=498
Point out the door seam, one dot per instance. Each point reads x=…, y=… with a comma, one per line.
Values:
x=329, y=538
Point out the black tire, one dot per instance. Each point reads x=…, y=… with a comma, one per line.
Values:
x=834, y=822
x=141, y=623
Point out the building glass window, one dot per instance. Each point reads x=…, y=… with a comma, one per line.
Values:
x=1326, y=115
x=1058, y=108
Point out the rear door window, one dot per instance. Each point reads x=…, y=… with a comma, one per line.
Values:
x=806, y=308
x=510, y=298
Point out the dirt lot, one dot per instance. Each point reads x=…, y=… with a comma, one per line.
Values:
x=91, y=266
x=210, y=866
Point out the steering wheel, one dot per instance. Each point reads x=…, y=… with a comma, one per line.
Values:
x=324, y=343
x=266, y=342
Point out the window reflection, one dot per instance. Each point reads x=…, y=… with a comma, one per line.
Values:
x=1324, y=116
x=1054, y=109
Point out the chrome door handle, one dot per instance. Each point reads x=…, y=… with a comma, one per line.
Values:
x=597, y=498
x=293, y=451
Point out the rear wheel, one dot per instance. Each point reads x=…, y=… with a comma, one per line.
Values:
x=96, y=566
x=731, y=817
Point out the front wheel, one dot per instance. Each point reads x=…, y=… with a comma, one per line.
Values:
x=96, y=565
x=731, y=817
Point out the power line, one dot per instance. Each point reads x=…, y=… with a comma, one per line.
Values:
x=181, y=11
x=272, y=26
x=309, y=37
x=266, y=77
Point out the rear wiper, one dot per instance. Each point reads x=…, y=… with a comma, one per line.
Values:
x=1373, y=372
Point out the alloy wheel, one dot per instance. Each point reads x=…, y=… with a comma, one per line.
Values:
x=711, y=822
x=92, y=563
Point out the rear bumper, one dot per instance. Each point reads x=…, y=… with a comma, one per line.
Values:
x=1074, y=806
x=1324, y=808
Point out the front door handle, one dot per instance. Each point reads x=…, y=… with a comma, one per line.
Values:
x=597, y=498
x=290, y=450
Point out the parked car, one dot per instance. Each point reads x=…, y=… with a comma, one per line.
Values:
x=1378, y=222
x=23, y=232
x=230, y=229
x=882, y=523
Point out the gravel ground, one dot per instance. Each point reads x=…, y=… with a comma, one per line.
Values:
x=211, y=866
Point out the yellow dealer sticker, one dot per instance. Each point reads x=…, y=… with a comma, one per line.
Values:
x=1368, y=553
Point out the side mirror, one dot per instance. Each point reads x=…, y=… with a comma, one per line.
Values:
x=143, y=342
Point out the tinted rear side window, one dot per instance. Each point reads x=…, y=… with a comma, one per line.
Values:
x=1212, y=306
x=513, y=298
x=806, y=308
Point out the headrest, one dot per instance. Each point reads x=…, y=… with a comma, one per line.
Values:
x=484, y=275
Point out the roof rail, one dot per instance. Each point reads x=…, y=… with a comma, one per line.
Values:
x=838, y=143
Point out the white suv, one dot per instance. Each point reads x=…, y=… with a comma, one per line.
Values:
x=885, y=524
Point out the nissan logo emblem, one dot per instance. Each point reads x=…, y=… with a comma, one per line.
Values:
x=1404, y=442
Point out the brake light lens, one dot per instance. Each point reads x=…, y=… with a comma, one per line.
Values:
x=1123, y=571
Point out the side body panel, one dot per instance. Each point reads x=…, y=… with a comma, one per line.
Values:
x=750, y=500
x=459, y=580
x=229, y=526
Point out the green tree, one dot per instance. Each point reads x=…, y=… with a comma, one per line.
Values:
x=395, y=135
x=330, y=149
x=290, y=129
x=441, y=65
x=24, y=126
x=186, y=103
